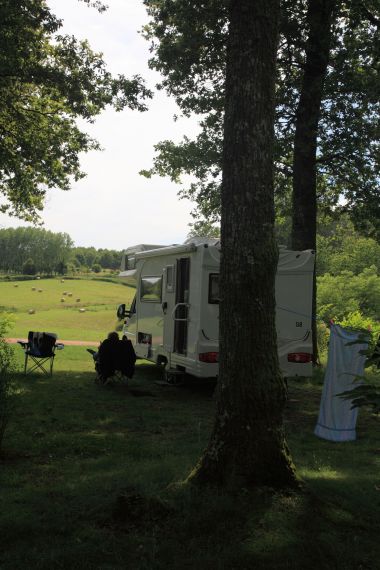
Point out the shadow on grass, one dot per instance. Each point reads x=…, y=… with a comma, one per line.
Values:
x=88, y=481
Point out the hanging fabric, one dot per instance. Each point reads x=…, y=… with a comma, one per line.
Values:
x=336, y=421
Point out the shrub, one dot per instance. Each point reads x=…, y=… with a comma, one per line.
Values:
x=29, y=267
x=6, y=376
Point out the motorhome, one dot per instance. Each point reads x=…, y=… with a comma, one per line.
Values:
x=174, y=317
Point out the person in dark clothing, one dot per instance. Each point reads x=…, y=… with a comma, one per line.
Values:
x=114, y=355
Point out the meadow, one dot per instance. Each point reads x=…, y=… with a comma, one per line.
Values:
x=99, y=299
x=91, y=477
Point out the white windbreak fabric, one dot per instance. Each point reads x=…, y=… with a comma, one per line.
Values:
x=336, y=421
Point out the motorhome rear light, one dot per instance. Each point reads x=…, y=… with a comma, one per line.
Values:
x=210, y=357
x=301, y=357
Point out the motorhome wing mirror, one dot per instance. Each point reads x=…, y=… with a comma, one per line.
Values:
x=121, y=311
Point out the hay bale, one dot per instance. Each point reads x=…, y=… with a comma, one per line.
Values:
x=69, y=294
x=38, y=277
x=15, y=285
x=77, y=300
x=31, y=311
x=33, y=289
x=63, y=300
x=64, y=293
x=82, y=310
x=40, y=290
x=62, y=280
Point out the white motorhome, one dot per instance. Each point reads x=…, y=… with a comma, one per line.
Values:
x=174, y=317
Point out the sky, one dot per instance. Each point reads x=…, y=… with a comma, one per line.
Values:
x=113, y=206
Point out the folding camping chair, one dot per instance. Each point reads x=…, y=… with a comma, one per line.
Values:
x=40, y=349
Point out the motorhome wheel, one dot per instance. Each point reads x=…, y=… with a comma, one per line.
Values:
x=173, y=377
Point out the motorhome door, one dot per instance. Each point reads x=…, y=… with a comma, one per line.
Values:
x=175, y=305
x=168, y=305
x=181, y=311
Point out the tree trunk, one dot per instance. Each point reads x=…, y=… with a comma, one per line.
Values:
x=304, y=220
x=247, y=445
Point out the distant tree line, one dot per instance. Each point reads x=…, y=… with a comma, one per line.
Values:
x=32, y=251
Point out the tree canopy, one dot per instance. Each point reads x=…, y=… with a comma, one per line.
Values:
x=47, y=82
x=188, y=46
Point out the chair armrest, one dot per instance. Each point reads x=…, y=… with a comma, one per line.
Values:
x=23, y=343
x=59, y=346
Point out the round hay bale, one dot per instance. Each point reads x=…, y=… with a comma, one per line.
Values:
x=82, y=310
x=15, y=285
x=69, y=294
x=40, y=290
x=64, y=293
x=33, y=289
x=38, y=277
x=63, y=300
x=31, y=311
x=62, y=280
x=77, y=300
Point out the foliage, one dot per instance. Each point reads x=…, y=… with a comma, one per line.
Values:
x=49, y=252
x=367, y=393
x=340, y=247
x=339, y=295
x=47, y=82
x=6, y=378
x=29, y=267
x=46, y=249
x=188, y=45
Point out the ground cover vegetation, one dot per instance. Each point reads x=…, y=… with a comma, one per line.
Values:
x=79, y=309
x=89, y=479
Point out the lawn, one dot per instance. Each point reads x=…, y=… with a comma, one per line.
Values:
x=89, y=479
x=99, y=299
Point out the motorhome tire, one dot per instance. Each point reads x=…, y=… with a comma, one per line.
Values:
x=173, y=377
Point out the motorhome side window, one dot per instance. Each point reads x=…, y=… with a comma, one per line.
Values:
x=213, y=288
x=170, y=278
x=150, y=289
x=130, y=262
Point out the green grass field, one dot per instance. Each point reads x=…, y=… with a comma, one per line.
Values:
x=89, y=480
x=99, y=299
x=90, y=475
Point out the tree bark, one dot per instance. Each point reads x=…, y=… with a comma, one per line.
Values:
x=247, y=446
x=304, y=218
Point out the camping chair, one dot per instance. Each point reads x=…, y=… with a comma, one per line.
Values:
x=116, y=361
x=40, y=349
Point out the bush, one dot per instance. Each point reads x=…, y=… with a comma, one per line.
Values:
x=29, y=267
x=346, y=293
x=6, y=376
x=96, y=268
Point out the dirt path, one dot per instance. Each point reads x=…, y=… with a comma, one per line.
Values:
x=67, y=342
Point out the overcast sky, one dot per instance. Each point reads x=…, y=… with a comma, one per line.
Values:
x=114, y=207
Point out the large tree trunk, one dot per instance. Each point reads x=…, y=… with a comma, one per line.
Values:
x=304, y=220
x=247, y=445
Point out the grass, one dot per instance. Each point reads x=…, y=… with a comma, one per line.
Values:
x=99, y=299
x=90, y=475
x=89, y=480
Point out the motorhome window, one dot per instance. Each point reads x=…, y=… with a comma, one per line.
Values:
x=130, y=262
x=170, y=278
x=150, y=289
x=213, y=288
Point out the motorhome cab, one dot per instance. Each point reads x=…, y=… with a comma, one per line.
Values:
x=174, y=317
